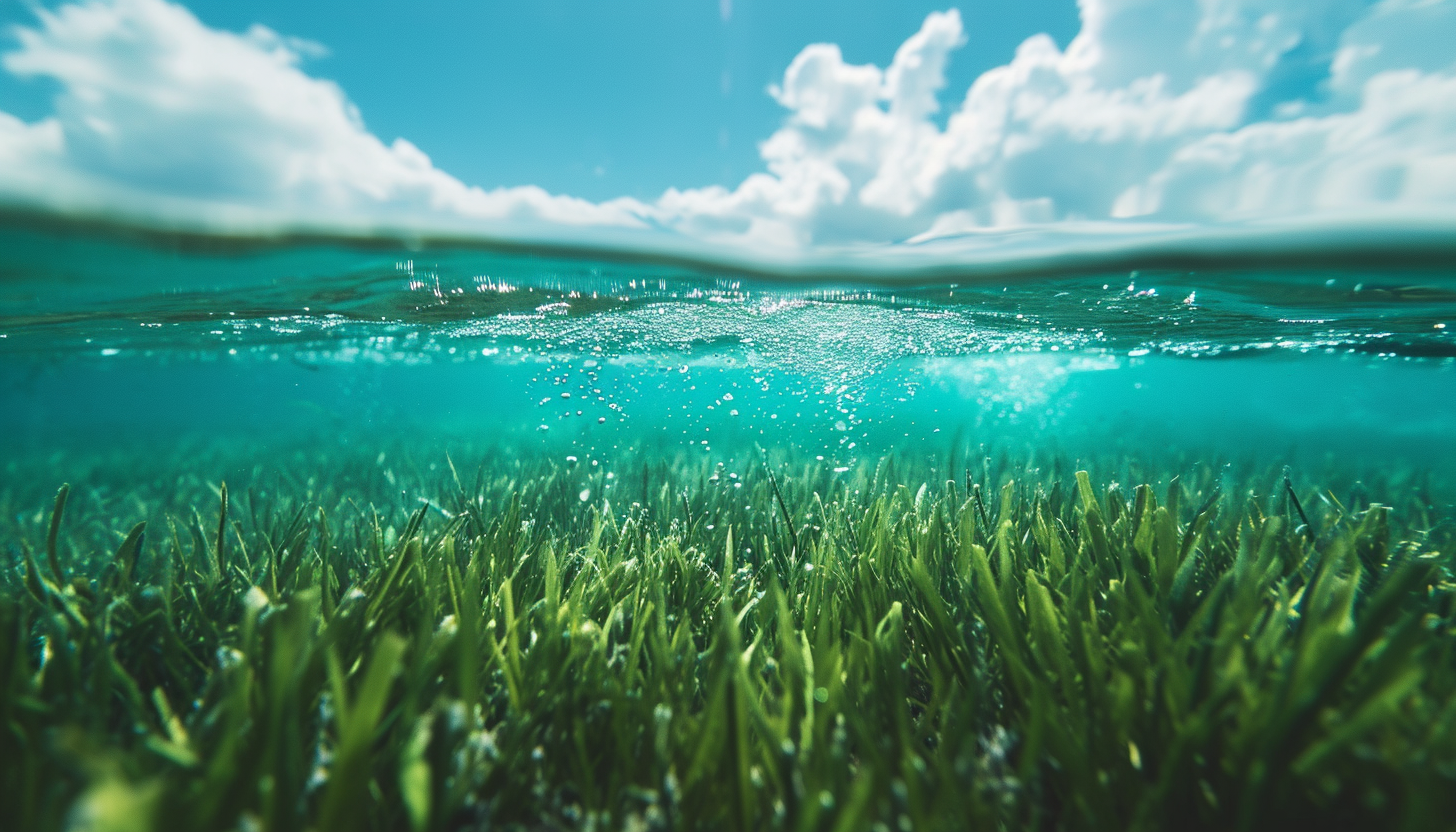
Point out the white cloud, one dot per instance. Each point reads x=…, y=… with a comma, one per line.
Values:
x=1172, y=113
x=1396, y=149
x=155, y=106
x=1178, y=112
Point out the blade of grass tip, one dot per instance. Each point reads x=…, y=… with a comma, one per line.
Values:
x=1294, y=501
x=981, y=510
x=455, y=475
x=467, y=639
x=222, y=514
x=552, y=581
x=175, y=746
x=326, y=588
x=59, y=510
x=1165, y=549
x=1201, y=519
x=1092, y=516
x=509, y=652
x=126, y=554
x=1047, y=630
x=416, y=521
x=985, y=593
x=33, y=581
x=177, y=556
x=784, y=509
x=407, y=553
x=728, y=566
x=1087, y=493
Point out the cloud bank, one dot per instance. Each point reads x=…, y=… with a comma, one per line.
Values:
x=157, y=109
x=1222, y=111
x=1211, y=112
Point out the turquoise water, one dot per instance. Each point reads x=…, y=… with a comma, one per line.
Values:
x=119, y=341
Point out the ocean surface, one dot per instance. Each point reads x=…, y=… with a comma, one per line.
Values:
x=219, y=351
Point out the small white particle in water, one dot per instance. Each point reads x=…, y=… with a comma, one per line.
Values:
x=727, y=397
x=585, y=494
x=110, y=351
x=571, y=459
x=1137, y=353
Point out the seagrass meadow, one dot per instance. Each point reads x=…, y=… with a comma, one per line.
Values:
x=335, y=640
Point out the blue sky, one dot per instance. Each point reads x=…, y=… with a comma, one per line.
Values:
x=792, y=126
x=593, y=99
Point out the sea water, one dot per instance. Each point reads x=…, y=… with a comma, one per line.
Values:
x=129, y=353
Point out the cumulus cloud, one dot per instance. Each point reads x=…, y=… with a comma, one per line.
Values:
x=1156, y=113
x=1218, y=111
x=156, y=108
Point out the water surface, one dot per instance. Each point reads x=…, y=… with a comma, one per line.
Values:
x=113, y=339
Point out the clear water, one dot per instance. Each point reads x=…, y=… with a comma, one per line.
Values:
x=117, y=341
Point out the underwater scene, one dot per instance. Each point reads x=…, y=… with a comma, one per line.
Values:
x=352, y=533
x=727, y=415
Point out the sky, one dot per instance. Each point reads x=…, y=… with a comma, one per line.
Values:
x=788, y=126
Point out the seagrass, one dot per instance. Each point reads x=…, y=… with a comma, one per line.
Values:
x=520, y=646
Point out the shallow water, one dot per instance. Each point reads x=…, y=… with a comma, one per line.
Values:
x=116, y=340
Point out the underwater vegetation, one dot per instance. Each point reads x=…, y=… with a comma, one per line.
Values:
x=765, y=645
